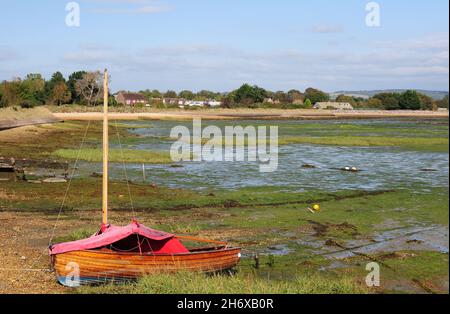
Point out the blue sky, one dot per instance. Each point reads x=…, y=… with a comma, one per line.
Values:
x=220, y=44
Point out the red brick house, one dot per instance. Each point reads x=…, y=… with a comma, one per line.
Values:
x=131, y=99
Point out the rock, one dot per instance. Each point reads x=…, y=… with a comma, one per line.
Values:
x=428, y=170
x=55, y=180
x=34, y=181
x=23, y=258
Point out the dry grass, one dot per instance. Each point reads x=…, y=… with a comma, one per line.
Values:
x=16, y=114
x=24, y=134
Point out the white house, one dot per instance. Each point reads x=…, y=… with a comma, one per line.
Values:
x=214, y=103
x=201, y=103
x=194, y=103
x=333, y=105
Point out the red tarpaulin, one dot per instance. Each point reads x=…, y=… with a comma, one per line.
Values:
x=132, y=238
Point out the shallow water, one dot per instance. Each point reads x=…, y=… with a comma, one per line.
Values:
x=382, y=167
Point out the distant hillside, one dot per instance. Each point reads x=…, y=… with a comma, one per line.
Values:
x=437, y=95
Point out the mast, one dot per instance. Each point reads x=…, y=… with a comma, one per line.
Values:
x=105, y=149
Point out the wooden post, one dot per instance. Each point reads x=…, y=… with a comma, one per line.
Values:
x=256, y=258
x=105, y=149
x=143, y=173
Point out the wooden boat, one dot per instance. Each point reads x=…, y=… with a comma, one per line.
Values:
x=126, y=253
x=104, y=266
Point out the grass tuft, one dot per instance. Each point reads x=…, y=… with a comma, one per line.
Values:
x=197, y=283
x=115, y=155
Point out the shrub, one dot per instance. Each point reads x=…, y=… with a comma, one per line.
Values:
x=26, y=105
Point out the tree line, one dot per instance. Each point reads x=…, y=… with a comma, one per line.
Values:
x=86, y=88
x=81, y=87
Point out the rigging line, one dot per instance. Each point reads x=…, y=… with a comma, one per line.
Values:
x=70, y=181
x=125, y=170
x=63, y=202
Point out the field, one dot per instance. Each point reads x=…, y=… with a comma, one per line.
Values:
x=393, y=212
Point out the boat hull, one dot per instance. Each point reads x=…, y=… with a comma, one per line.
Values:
x=92, y=266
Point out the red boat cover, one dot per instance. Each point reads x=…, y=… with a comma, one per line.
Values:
x=132, y=238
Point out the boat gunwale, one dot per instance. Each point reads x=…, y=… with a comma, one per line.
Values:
x=154, y=255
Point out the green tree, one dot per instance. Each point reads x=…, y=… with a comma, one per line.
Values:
x=112, y=102
x=73, y=78
x=156, y=94
x=374, y=103
x=10, y=93
x=247, y=95
x=295, y=96
x=170, y=94
x=390, y=101
x=426, y=102
x=147, y=93
x=32, y=90
x=345, y=98
x=315, y=95
x=410, y=100
x=60, y=94
x=307, y=104
x=187, y=94
x=228, y=100
x=206, y=95
x=443, y=103
x=56, y=78
x=282, y=97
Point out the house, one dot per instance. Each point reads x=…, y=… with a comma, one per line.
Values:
x=200, y=103
x=194, y=103
x=272, y=101
x=214, y=103
x=131, y=99
x=333, y=105
x=174, y=101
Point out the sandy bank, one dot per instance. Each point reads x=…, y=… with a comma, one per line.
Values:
x=18, y=117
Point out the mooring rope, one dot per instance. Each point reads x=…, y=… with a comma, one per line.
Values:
x=69, y=183
x=125, y=170
x=36, y=260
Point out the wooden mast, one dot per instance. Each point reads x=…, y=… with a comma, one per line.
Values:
x=105, y=149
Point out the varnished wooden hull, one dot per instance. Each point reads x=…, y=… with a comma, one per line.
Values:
x=92, y=266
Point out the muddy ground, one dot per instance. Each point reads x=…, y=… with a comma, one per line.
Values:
x=404, y=230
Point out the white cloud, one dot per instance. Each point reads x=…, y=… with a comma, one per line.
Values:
x=223, y=68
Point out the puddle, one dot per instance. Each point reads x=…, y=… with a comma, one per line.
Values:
x=434, y=238
x=279, y=250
